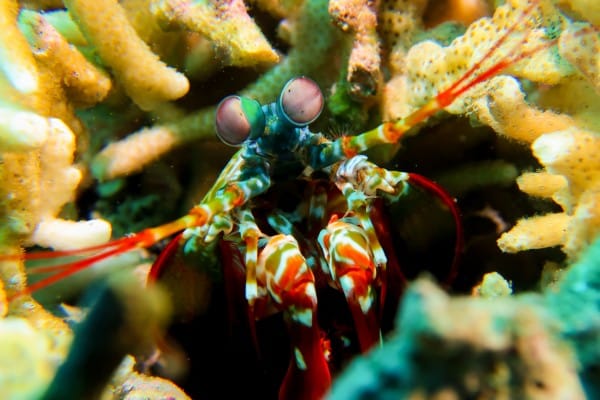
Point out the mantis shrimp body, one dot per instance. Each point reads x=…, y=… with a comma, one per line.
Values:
x=276, y=144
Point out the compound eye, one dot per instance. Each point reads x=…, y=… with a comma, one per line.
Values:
x=301, y=101
x=233, y=127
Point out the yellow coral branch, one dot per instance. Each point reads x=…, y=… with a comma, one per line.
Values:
x=58, y=178
x=542, y=184
x=506, y=111
x=573, y=153
x=60, y=234
x=572, y=178
x=535, y=233
x=582, y=49
x=431, y=68
x=85, y=84
x=225, y=23
x=585, y=224
x=61, y=21
x=146, y=79
x=117, y=158
x=360, y=16
x=58, y=181
x=20, y=129
x=16, y=60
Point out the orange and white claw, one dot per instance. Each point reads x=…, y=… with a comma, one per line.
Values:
x=346, y=248
x=290, y=286
x=289, y=281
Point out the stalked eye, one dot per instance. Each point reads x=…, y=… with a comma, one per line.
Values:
x=301, y=101
x=239, y=118
x=233, y=127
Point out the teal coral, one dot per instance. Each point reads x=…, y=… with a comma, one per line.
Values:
x=576, y=304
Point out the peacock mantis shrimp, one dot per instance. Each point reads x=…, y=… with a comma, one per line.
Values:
x=275, y=145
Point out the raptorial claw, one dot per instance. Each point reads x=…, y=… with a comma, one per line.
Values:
x=360, y=175
x=291, y=286
x=351, y=265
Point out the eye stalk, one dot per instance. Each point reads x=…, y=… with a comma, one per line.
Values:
x=301, y=101
x=239, y=118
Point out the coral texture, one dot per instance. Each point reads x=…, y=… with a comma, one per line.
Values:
x=106, y=27
x=107, y=111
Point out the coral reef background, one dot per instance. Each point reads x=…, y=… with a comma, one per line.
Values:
x=107, y=126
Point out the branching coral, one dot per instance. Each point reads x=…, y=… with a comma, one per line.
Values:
x=364, y=64
x=38, y=178
x=432, y=67
x=21, y=128
x=501, y=104
x=569, y=107
x=225, y=23
x=381, y=33
x=570, y=157
x=126, y=56
x=567, y=147
x=17, y=61
x=105, y=25
x=84, y=84
x=67, y=79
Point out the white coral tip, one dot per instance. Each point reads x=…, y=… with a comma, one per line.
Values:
x=552, y=147
x=60, y=234
x=21, y=130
